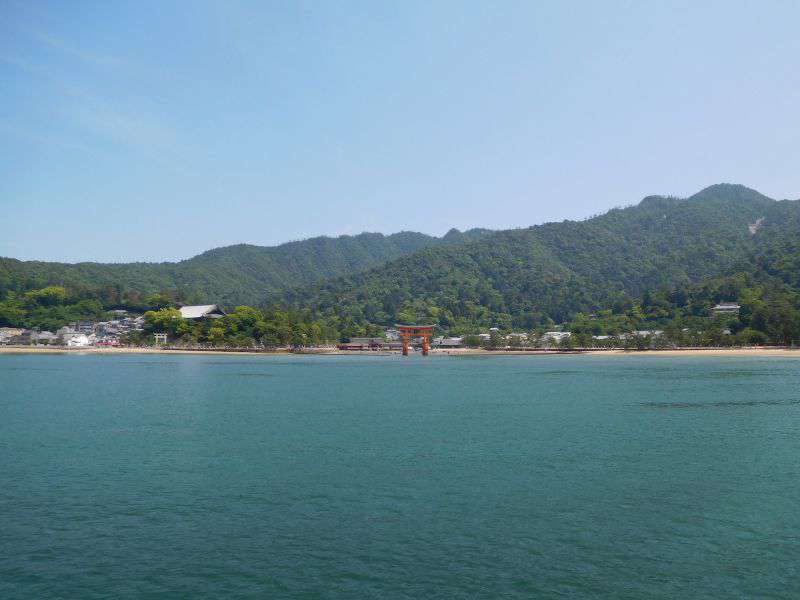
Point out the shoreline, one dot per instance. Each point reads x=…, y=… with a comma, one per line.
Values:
x=760, y=351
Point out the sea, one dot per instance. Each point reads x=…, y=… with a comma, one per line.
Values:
x=231, y=476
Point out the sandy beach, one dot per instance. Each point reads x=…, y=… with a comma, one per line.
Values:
x=779, y=352
x=771, y=352
x=92, y=350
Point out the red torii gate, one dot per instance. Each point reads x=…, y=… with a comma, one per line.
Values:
x=415, y=331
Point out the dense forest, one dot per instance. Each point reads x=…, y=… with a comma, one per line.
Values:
x=660, y=264
x=48, y=308
x=769, y=314
x=527, y=278
x=243, y=327
x=242, y=274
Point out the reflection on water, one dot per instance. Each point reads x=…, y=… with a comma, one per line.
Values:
x=720, y=404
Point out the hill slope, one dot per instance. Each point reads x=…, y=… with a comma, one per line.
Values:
x=525, y=277
x=241, y=274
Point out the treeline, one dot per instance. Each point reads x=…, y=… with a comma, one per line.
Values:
x=527, y=278
x=769, y=314
x=52, y=307
x=48, y=309
x=658, y=265
x=232, y=275
x=244, y=327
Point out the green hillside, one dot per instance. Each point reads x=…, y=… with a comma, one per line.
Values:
x=241, y=274
x=526, y=277
x=521, y=278
x=658, y=265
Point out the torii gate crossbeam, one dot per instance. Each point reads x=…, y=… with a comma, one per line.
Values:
x=407, y=332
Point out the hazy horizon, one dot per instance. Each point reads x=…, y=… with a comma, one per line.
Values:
x=154, y=133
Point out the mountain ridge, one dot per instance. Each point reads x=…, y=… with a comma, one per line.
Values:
x=236, y=274
x=518, y=277
x=524, y=277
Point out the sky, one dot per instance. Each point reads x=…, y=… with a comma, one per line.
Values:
x=150, y=131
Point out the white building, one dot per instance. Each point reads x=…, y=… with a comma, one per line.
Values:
x=6, y=333
x=451, y=342
x=78, y=340
x=555, y=336
x=648, y=333
x=202, y=311
x=46, y=337
x=726, y=308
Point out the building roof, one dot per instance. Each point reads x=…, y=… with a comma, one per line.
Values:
x=200, y=311
x=726, y=307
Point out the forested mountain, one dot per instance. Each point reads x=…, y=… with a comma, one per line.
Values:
x=241, y=274
x=522, y=278
x=658, y=265
x=527, y=277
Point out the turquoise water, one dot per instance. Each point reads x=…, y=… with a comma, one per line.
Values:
x=379, y=477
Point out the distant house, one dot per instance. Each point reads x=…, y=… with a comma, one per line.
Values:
x=26, y=338
x=648, y=333
x=449, y=342
x=363, y=343
x=555, y=336
x=203, y=311
x=370, y=342
x=79, y=340
x=86, y=327
x=46, y=337
x=726, y=308
x=8, y=333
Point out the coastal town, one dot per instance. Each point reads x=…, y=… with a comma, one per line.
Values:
x=128, y=329
x=80, y=334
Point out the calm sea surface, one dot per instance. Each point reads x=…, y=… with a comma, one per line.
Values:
x=379, y=477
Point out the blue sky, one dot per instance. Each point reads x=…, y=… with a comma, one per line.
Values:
x=156, y=130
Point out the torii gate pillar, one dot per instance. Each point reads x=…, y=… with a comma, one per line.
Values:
x=407, y=332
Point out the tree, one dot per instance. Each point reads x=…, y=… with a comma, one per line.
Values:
x=472, y=341
x=49, y=296
x=496, y=340
x=159, y=301
x=12, y=312
x=781, y=321
x=751, y=337
x=216, y=335
x=166, y=320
